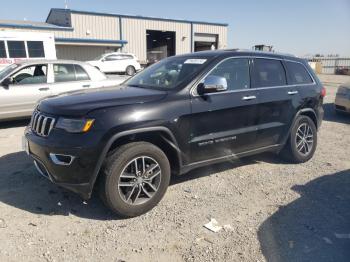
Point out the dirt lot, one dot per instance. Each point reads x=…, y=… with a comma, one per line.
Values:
x=277, y=211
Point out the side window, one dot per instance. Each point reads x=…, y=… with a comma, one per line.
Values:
x=268, y=72
x=16, y=49
x=236, y=72
x=298, y=74
x=35, y=48
x=36, y=74
x=81, y=73
x=64, y=72
x=2, y=49
x=112, y=57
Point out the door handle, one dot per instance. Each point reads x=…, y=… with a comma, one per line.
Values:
x=292, y=92
x=86, y=85
x=44, y=89
x=249, y=97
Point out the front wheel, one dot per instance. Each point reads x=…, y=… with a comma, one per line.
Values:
x=136, y=177
x=302, y=141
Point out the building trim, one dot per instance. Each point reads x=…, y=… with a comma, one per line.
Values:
x=89, y=40
x=59, y=28
x=141, y=17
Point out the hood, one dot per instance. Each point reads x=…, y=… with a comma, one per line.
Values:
x=79, y=103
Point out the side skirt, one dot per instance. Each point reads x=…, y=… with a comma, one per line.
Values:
x=273, y=148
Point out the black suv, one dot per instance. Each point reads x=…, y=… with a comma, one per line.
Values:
x=179, y=114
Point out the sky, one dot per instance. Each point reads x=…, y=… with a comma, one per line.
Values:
x=299, y=27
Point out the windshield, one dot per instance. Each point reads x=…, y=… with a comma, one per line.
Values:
x=168, y=73
x=7, y=70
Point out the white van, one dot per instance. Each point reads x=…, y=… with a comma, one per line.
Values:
x=16, y=46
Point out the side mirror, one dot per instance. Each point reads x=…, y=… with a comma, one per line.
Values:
x=212, y=84
x=6, y=82
x=103, y=59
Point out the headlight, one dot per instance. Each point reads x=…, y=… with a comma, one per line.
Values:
x=75, y=125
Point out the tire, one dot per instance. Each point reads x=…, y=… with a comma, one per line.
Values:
x=130, y=70
x=119, y=175
x=296, y=150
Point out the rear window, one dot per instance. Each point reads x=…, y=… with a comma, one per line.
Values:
x=35, y=48
x=64, y=72
x=16, y=49
x=268, y=72
x=81, y=73
x=2, y=49
x=298, y=74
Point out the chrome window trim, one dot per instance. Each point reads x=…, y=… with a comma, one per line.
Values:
x=194, y=87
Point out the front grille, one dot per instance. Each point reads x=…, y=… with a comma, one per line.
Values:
x=41, y=124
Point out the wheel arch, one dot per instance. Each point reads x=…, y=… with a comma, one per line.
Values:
x=159, y=136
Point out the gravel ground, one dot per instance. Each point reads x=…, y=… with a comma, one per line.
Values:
x=277, y=211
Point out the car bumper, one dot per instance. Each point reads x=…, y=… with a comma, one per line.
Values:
x=75, y=171
x=342, y=103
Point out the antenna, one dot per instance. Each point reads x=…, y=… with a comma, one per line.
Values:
x=65, y=4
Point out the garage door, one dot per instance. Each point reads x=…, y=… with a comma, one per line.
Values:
x=81, y=53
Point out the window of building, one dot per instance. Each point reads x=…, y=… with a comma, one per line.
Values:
x=2, y=49
x=268, y=72
x=298, y=74
x=35, y=48
x=16, y=49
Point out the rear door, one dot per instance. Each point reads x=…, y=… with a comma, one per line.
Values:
x=278, y=102
x=223, y=123
x=29, y=85
x=112, y=63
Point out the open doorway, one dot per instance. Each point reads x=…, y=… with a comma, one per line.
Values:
x=160, y=44
x=203, y=42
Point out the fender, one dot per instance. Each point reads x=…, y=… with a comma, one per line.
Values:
x=300, y=112
x=126, y=133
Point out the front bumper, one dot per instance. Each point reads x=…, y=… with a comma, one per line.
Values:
x=78, y=175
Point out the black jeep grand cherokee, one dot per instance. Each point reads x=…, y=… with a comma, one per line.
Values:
x=181, y=113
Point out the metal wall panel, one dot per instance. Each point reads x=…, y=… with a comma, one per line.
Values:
x=330, y=64
x=221, y=31
x=80, y=53
x=134, y=31
x=99, y=27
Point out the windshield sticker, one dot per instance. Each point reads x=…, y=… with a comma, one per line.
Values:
x=195, y=61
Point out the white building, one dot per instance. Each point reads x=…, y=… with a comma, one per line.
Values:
x=82, y=35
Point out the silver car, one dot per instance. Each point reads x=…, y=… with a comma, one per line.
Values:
x=23, y=84
x=342, y=99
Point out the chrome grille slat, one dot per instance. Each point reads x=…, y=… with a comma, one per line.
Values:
x=41, y=124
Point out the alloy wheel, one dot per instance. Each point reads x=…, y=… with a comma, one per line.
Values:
x=304, y=139
x=139, y=180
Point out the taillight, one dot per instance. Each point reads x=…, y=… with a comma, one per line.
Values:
x=323, y=92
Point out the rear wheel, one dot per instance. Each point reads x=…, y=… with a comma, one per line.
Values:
x=136, y=177
x=302, y=141
x=130, y=70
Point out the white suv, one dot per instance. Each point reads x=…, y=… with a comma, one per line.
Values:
x=117, y=63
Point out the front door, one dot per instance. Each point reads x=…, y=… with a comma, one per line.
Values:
x=223, y=123
x=28, y=85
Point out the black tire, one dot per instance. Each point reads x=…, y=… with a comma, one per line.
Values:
x=130, y=70
x=116, y=162
x=290, y=151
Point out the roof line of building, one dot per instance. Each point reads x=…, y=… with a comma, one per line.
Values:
x=48, y=27
x=90, y=40
x=139, y=17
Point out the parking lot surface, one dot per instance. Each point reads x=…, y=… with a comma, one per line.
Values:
x=276, y=211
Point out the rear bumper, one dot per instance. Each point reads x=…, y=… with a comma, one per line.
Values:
x=77, y=175
x=342, y=103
